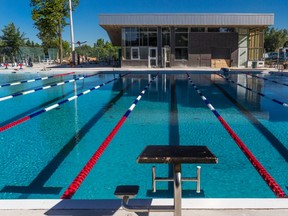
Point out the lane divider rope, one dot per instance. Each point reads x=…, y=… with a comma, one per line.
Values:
x=33, y=80
x=259, y=93
x=70, y=191
x=26, y=118
x=274, y=81
x=44, y=87
x=258, y=166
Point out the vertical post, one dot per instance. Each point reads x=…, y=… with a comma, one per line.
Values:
x=72, y=33
x=177, y=190
x=198, y=187
x=153, y=179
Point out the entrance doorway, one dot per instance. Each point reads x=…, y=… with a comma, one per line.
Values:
x=152, y=57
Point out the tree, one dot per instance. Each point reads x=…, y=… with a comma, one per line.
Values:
x=28, y=43
x=50, y=19
x=12, y=39
x=275, y=39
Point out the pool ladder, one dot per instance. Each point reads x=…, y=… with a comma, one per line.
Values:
x=196, y=179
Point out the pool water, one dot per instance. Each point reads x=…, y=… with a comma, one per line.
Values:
x=41, y=157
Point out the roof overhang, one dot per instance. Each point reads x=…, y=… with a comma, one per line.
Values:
x=113, y=23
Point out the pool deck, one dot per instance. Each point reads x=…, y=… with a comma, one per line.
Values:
x=199, y=207
x=45, y=68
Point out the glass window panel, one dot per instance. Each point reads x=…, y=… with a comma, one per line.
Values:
x=152, y=29
x=143, y=39
x=127, y=39
x=165, y=30
x=134, y=29
x=184, y=30
x=123, y=36
x=181, y=53
x=181, y=39
x=143, y=29
x=152, y=39
x=226, y=29
x=198, y=29
x=166, y=39
x=134, y=39
x=213, y=29
x=135, y=53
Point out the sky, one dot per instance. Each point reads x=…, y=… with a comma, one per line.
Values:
x=85, y=16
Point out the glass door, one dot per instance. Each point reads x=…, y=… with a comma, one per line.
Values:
x=152, y=57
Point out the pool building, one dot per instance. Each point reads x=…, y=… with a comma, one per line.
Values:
x=188, y=40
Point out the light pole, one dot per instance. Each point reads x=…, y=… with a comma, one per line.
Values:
x=72, y=34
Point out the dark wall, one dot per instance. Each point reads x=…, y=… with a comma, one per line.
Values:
x=206, y=46
x=215, y=45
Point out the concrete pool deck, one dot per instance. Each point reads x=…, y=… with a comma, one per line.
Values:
x=198, y=207
x=45, y=68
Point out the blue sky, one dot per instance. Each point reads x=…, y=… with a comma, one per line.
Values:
x=85, y=17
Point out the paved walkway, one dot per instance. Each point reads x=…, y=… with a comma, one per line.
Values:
x=197, y=207
x=124, y=213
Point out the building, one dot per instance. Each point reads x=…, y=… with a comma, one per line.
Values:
x=188, y=40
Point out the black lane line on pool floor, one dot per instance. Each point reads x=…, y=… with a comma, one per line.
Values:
x=276, y=143
x=174, y=137
x=37, y=185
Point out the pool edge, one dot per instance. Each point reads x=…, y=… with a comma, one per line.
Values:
x=209, y=203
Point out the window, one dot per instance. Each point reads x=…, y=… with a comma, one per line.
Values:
x=152, y=39
x=221, y=30
x=165, y=37
x=135, y=53
x=135, y=42
x=181, y=43
x=198, y=29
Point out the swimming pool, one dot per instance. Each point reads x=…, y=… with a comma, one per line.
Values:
x=41, y=157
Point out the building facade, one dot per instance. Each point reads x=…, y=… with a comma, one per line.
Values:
x=188, y=40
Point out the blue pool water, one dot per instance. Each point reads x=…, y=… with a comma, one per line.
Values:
x=41, y=157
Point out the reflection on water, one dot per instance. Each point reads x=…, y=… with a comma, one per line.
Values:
x=262, y=107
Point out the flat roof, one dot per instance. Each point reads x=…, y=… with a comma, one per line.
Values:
x=203, y=19
x=113, y=23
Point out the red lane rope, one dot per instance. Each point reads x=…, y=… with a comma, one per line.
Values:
x=87, y=168
x=258, y=166
x=64, y=74
x=70, y=191
x=12, y=124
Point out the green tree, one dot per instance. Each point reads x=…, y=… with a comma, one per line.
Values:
x=12, y=39
x=66, y=48
x=275, y=39
x=28, y=43
x=50, y=19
